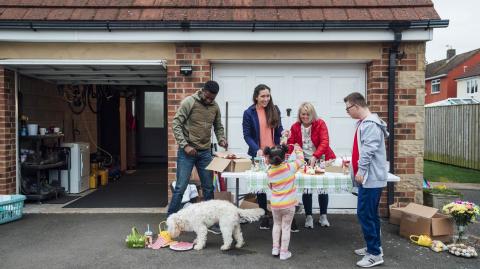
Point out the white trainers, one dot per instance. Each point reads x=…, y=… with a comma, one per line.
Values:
x=363, y=251
x=309, y=222
x=370, y=260
x=285, y=255
x=275, y=251
x=324, y=221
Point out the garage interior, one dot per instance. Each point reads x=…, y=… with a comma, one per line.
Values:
x=100, y=138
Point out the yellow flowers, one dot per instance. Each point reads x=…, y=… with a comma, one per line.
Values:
x=463, y=212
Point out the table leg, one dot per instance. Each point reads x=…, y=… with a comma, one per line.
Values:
x=237, y=186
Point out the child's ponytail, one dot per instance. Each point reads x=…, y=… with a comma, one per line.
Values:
x=275, y=154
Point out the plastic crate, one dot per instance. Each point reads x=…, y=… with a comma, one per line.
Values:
x=11, y=207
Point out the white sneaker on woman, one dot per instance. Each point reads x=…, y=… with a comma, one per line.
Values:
x=309, y=222
x=324, y=221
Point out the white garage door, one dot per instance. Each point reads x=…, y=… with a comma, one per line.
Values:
x=324, y=85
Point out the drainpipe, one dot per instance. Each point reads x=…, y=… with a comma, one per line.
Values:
x=394, y=54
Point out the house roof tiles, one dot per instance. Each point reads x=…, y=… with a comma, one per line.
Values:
x=471, y=72
x=446, y=65
x=218, y=10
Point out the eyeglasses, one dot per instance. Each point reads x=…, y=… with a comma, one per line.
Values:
x=348, y=108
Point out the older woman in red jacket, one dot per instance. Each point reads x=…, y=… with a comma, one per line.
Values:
x=311, y=133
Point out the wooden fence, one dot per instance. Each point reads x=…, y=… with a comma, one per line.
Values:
x=452, y=135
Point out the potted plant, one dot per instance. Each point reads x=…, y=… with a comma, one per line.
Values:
x=463, y=213
x=439, y=196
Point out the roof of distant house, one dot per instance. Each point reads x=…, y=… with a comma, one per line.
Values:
x=217, y=10
x=471, y=72
x=444, y=66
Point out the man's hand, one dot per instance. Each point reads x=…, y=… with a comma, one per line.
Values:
x=223, y=143
x=191, y=151
x=259, y=153
x=313, y=160
x=359, y=179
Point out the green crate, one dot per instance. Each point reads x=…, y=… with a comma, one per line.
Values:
x=11, y=207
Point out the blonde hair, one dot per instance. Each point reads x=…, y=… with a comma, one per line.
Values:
x=308, y=108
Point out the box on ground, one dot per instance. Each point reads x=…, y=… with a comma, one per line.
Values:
x=395, y=213
x=248, y=205
x=423, y=220
x=222, y=164
x=223, y=195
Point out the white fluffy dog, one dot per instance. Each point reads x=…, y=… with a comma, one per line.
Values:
x=199, y=216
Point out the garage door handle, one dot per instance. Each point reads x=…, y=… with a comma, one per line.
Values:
x=288, y=112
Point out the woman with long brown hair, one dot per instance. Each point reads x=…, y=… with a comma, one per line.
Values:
x=262, y=127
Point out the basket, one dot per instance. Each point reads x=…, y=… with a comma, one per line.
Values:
x=11, y=207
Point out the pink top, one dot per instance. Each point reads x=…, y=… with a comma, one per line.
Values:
x=266, y=133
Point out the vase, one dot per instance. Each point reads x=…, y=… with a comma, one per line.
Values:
x=461, y=234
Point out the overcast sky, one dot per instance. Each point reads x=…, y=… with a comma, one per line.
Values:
x=463, y=32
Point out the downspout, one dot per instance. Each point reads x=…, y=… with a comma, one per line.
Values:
x=394, y=54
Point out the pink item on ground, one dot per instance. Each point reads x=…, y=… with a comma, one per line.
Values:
x=182, y=246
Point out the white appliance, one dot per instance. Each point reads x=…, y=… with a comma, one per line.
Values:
x=79, y=168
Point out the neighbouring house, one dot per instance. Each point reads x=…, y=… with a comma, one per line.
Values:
x=467, y=83
x=440, y=76
x=158, y=52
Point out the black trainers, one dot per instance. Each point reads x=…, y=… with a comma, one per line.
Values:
x=264, y=223
x=214, y=229
x=294, y=227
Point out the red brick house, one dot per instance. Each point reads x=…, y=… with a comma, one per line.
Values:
x=440, y=76
x=329, y=48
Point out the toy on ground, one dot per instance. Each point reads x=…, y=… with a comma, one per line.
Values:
x=135, y=239
x=182, y=246
x=438, y=246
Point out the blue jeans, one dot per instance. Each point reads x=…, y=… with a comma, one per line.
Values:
x=185, y=165
x=367, y=213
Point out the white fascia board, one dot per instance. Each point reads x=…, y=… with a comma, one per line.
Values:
x=80, y=62
x=438, y=76
x=367, y=35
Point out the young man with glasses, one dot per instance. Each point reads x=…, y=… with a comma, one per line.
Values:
x=369, y=174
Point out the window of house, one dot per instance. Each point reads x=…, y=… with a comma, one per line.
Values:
x=476, y=86
x=468, y=86
x=435, y=86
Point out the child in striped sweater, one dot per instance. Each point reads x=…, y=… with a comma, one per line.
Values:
x=281, y=181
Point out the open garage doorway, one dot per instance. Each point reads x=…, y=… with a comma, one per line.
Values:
x=101, y=132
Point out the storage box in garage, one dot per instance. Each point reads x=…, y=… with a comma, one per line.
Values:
x=222, y=164
x=423, y=220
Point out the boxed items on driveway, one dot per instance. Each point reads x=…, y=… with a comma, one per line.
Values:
x=395, y=213
x=423, y=220
x=229, y=162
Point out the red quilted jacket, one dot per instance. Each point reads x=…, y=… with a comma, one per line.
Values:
x=319, y=138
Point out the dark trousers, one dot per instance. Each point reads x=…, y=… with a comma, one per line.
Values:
x=367, y=213
x=262, y=201
x=185, y=164
x=322, y=202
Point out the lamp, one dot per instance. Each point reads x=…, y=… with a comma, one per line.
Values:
x=186, y=70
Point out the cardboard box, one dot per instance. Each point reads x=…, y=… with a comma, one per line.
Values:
x=334, y=169
x=248, y=205
x=221, y=164
x=423, y=220
x=223, y=195
x=396, y=212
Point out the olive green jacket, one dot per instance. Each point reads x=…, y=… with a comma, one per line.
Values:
x=192, y=124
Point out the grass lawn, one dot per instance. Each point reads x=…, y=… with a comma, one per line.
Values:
x=439, y=172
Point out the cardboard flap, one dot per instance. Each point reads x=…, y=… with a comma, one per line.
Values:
x=442, y=225
x=242, y=161
x=420, y=210
x=218, y=164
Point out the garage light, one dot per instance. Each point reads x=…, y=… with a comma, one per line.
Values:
x=186, y=70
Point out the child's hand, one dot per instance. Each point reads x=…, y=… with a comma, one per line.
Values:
x=297, y=147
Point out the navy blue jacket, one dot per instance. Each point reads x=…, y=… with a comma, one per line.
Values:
x=251, y=130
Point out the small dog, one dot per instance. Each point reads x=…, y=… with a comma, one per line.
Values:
x=198, y=217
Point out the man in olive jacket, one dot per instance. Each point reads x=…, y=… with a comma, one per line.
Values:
x=192, y=128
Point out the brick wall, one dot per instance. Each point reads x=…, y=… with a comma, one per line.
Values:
x=179, y=87
x=7, y=132
x=409, y=117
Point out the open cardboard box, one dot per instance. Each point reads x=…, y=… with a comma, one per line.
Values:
x=223, y=195
x=222, y=164
x=423, y=220
x=396, y=212
x=334, y=169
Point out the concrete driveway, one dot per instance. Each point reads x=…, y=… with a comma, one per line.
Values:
x=97, y=241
